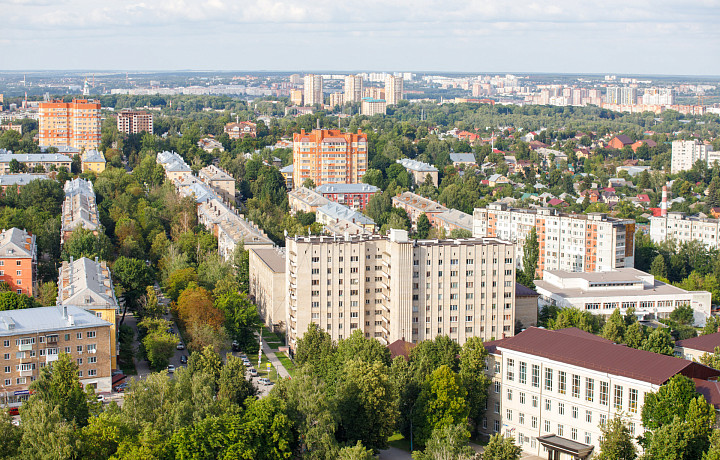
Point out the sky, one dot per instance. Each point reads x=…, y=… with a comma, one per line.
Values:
x=669, y=37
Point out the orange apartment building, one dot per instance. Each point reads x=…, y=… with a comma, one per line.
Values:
x=18, y=260
x=75, y=124
x=329, y=156
x=134, y=122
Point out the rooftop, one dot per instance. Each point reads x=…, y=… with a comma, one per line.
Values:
x=419, y=202
x=462, y=158
x=46, y=319
x=20, y=179
x=93, y=156
x=588, y=351
x=14, y=244
x=6, y=156
x=706, y=343
x=340, y=212
x=414, y=165
x=273, y=258
x=346, y=188
x=213, y=173
x=309, y=197
x=86, y=283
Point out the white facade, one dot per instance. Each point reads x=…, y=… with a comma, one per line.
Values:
x=686, y=153
x=681, y=228
x=601, y=293
x=393, y=89
x=313, y=89
x=353, y=88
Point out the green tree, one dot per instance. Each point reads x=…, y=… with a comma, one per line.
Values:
x=441, y=403
x=206, y=362
x=58, y=386
x=10, y=436
x=315, y=349
x=13, y=301
x=713, y=452
x=635, y=335
x=658, y=267
x=103, y=434
x=711, y=359
x=659, y=341
x=531, y=255
x=356, y=346
x=133, y=276
x=241, y=319
x=683, y=314
x=178, y=281
x=83, y=243
x=614, y=329
x=574, y=317
x=447, y=443
x=159, y=348
x=501, y=448
x=617, y=441
x=241, y=263
x=670, y=401
x=429, y=355
x=423, y=226
x=356, y=452
x=365, y=404
x=150, y=305
x=473, y=378
x=712, y=325
x=232, y=384
x=267, y=432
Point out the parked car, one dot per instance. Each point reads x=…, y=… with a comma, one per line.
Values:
x=253, y=372
x=180, y=346
x=101, y=398
x=170, y=368
x=117, y=372
x=121, y=388
x=183, y=359
x=243, y=356
x=247, y=363
x=14, y=411
x=264, y=381
x=235, y=345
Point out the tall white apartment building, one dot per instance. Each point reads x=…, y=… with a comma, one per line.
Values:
x=552, y=390
x=393, y=89
x=393, y=287
x=353, y=88
x=621, y=95
x=313, y=89
x=658, y=96
x=572, y=242
x=682, y=228
x=686, y=153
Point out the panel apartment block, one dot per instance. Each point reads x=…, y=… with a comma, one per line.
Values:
x=683, y=228
x=392, y=287
x=571, y=242
x=329, y=156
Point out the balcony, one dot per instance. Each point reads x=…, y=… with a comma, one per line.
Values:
x=25, y=347
x=27, y=373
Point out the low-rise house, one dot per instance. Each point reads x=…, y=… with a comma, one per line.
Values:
x=92, y=161
x=694, y=347
x=619, y=141
x=287, y=173
x=174, y=165
x=209, y=145
x=600, y=293
x=18, y=260
x=632, y=170
x=16, y=181
x=305, y=200
x=649, y=142
x=338, y=217
x=420, y=171
x=465, y=159
x=241, y=129
x=497, y=179
x=219, y=179
x=48, y=161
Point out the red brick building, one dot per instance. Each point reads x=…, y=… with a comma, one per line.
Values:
x=352, y=195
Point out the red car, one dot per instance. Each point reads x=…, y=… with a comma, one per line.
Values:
x=14, y=411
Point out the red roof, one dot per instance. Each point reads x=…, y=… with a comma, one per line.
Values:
x=706, y=343
x=400, y=348
x=555, y=202
x=710, y=390
x=643, y=198
x=657, y=212
x=578, y=349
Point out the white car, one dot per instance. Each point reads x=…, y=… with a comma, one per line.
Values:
x=170, y=369
x=253, y=372
x=264, y=381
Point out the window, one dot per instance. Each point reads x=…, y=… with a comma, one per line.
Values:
x=588, y=416
x=574, y=412
x=575, y=386
x=78, y=335
x=496, y=426
x=6, y=343
x=604, y=393
x=632, y=400
x=588, y=438
x=560, y=430
x=7, y=369
x=536, y=376
x=67, y=337
x=561, y=408
x=523, y=372
x=79, y=361
x=92, y=360
x=91, y=348
x=497, y=368
x=562, y=382
x=509, y=394
x=508, y=415
x=534, y=401
x=548, y=379
x=573, y=434
x=617, y=401
x=603, y=419
x=510, y=369
x=533, y=422
x=522, y=397
x=497, y=387
x=497, y=407
x=548, y=405
x=79, y=348
x=521, y=418
x=589, y=389
x=92, y=372
x=547, y=426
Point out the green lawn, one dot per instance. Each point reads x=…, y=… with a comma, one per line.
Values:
x=273, y=340
x=397, y=440
x=287, y=363
x=263, y=369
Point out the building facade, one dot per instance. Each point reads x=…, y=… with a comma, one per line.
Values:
x=415, y=205
x=353, y=195
x=393, y=89
x=174, y=165
x=394, y=287
x=79, y=210
x=371, y=106
x=420, y=171
x=329, y=156
x=686, y=153
x=87, y=284
x=93, y=161
x=353, y=88
x=305, y=200
x=241, y=129
x=18, y=260
x=75, y=123
x=35, y=337
x=219, y=179
x=682, y=228
x=601, y=293
x=570, y=242
x=552, y=390
x=134, y=122
x=48, y=161
x=267, y=285
x=313, y=90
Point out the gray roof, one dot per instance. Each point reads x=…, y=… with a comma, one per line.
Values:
x=93, y=156
x=415, y=165
x=273, y=258
x=86, y=283
x=6, y=157
x=46, y=319
x=346, y=188
x=340, y=212
x=13, y=244
x=462, y=158
x=20, y=179
x=287, y=169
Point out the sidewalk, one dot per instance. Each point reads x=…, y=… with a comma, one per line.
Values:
x=267, y=351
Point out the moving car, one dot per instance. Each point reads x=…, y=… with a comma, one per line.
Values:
x=180, y=346
x=183, y=359
x=170, y=368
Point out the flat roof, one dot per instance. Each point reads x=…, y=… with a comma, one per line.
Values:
x=273, y=258
x=46, y=319
x=609, y=276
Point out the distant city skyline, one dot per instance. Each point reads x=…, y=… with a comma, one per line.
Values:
x=621, y=37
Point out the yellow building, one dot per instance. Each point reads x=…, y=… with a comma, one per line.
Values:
x=93, y=160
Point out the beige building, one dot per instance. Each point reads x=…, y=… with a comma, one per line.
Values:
x=526, y=307
x=48, y=161
x=305, y=200
x=370, y=107
x=219, y=179
x=174, y=165
x=552, y=390
x=353, y=88
x=93, y=161
x=267, y=285
x=415, y=205
x=75, y=124
x=592, y=242
x=34, y=337
x=87, y=284
x=394, y=287
x=420, y=171
x=393, y=89
x=134, y=122
x=693, y=348
x=683, y=228
x=337, y=99
x=313, y=90
x=296, y=97
x=79, y=210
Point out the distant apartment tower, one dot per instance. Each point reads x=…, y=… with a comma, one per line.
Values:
x=571, y=242
x=622, y=95
x=329, y=156
x=18, y=260
x=337, y=99
x=353, y=88
x=75, y=124
x=392, y=288
x=134, y=122
x=296, y=96
x=313, y=89
x=686, y=153
x=370, y=106
x=393, y=89
x=659, y=96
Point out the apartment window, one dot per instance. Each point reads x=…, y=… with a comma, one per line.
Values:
x=20, y=381
x=91, y=348
x=497, y=407
x=508, y=415
x=8, y=382
x=510, y=369
x=79, y=349
x=6, y=356
x=509, y=394
x=573, y=434
x=589, y=389
x=535, y=376
x=547, y=426
x=6, y=343
x=497, y=367
x=7, y=369
x=560, y=430
x=80, y=373
x=604, y=393
x=562, y=382
x=521, y=418
x=67, y=349
x=548, y=405
x=496, y=426
x=588, y=438
x=561, y=408
x=522, y=397
x=79, y=361
x=497, y=387
x=484, y=423
x=92, y=372
x=533, y=422
x=574, y=412
x=617, y=401
x=632, y=400
x=575, y=386
x=523, y=372
x=588, y=416
x=603, y=419
x=67, y=337
x=548, y=379
x=92, y=360
x=534, y=401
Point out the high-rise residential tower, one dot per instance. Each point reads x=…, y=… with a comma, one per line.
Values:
x=393, y=89
x=329, y=156
x=72, y=124
x=353, y=88
x=313, y=89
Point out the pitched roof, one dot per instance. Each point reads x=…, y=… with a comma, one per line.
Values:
x=624, y=139
x=46, y=319
x=400, y=348
x=576, y=348
x=706, y=343
x=524, y=291
x=14, y=244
